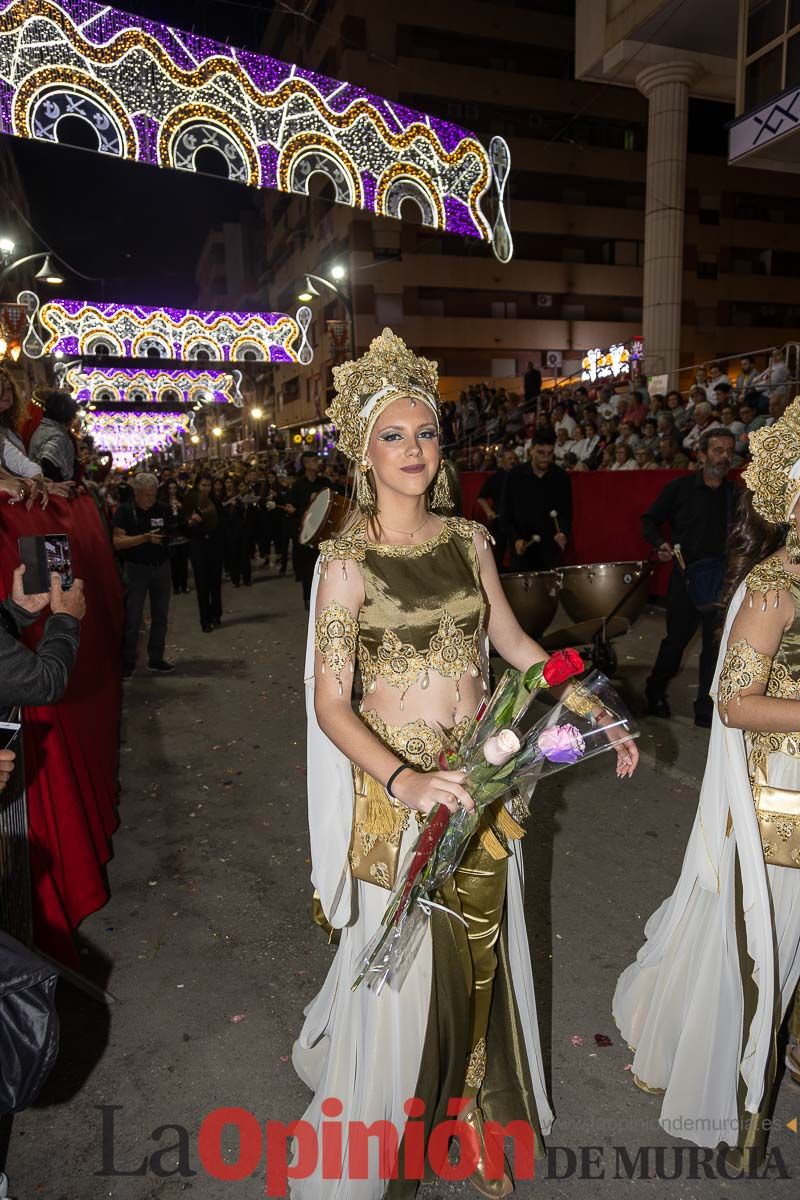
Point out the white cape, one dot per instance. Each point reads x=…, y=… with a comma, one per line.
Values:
x=680, y=1004
x=329, y=1052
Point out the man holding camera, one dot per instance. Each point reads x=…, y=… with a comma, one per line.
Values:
x=141, y=527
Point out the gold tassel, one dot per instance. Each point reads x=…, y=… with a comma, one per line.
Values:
x=365, y=497
x=380, y=819
x=492, y=844
x=442, y=497
x=504, y=823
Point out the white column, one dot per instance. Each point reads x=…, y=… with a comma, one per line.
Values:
x=666, y=87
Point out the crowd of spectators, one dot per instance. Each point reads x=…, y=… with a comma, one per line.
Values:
x=615, y=425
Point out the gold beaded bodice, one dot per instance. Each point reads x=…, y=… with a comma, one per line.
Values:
x=782, y=674
x=423, y=609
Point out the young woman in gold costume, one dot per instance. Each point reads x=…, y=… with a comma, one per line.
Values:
x=409, y=594
x=708, y=993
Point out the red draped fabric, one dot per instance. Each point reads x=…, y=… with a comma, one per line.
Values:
x=71, y=748
x=607, y=509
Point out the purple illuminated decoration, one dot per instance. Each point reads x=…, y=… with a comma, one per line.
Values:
x=159, y=95
x=137, y=385
x=131, y=437
x=84, y=327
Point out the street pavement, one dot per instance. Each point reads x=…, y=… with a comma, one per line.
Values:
x=208, y=947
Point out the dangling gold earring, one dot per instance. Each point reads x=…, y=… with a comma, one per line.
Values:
x=442, y=497
x=365, y=497
x=793, y=542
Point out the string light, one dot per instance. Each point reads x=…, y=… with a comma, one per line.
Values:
x=160, y=96
x=131, y=437
x=104, y=384
x=135, y=331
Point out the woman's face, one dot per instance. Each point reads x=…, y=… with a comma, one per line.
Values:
x=404, y=448
x=621, y=454
x=217, y=487
x=172, y=489
x=230, y=487
x=204, y=487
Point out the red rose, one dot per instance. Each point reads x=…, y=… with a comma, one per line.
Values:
x=562, y=665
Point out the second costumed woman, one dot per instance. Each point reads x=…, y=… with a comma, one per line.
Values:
x=408, y=594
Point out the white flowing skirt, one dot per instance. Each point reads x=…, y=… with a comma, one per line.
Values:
x=683, y=1016
x=361, y=1048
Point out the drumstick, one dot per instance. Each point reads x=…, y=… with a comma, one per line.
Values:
x=676, y=550
x=554, y=515
x=534, y=539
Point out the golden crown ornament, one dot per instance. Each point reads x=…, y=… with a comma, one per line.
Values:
x=388, y=371
x=773, y=476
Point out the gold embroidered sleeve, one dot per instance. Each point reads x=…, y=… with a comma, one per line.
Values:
x=336, y=639
x=741, y=668
x=768, y=576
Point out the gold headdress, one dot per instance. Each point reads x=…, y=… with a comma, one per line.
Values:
x=774, y=474
x=386, y=372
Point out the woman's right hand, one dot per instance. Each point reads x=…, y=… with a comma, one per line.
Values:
x=422, y=791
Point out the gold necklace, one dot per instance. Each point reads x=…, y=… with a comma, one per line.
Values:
x=405, y=532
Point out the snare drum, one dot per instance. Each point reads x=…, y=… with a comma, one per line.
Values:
x=533, y=596
x=595, y=590
x=322, y=518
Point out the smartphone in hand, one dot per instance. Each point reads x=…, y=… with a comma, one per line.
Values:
x=42, y=555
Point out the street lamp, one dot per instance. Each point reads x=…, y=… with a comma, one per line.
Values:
x=6, y=250
x=217, y=431
x=47, y=273
x=309, y=292
x=256, y=413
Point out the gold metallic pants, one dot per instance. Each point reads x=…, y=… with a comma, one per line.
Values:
x=480, y=895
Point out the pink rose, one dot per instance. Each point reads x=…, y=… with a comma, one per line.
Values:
x=501, y=747
x=561, y=744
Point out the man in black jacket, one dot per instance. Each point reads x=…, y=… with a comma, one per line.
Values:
x=533, y=493
x=699, y=511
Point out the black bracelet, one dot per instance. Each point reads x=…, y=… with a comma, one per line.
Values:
x=392, y=778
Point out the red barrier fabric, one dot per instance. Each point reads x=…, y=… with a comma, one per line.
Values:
x=71, y=748
x=606, y=522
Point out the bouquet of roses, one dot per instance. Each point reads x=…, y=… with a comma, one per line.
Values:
x=498, y=756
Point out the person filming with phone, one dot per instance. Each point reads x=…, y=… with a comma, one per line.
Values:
x=37, y=676
x=140, y=528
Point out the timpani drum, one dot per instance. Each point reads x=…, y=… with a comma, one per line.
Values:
x=596, y=589
x=533, y=596
x=322, y=518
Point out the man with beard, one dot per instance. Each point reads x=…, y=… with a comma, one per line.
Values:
x=699, y=511
x=533, y=493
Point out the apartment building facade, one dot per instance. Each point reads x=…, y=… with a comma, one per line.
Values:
x=577, y=205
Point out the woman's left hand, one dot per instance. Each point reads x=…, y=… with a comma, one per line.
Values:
x=627, y=753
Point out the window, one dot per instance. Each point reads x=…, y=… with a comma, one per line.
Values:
x=504, y=308
x=388, y=309
x=707, y=269
x=430, y=307
x=503, y=368
x=765, y=22
x=573, y=312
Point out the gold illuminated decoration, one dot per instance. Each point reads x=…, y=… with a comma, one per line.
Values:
x=162, y=96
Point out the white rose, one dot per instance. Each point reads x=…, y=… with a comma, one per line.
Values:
x=501, y=747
